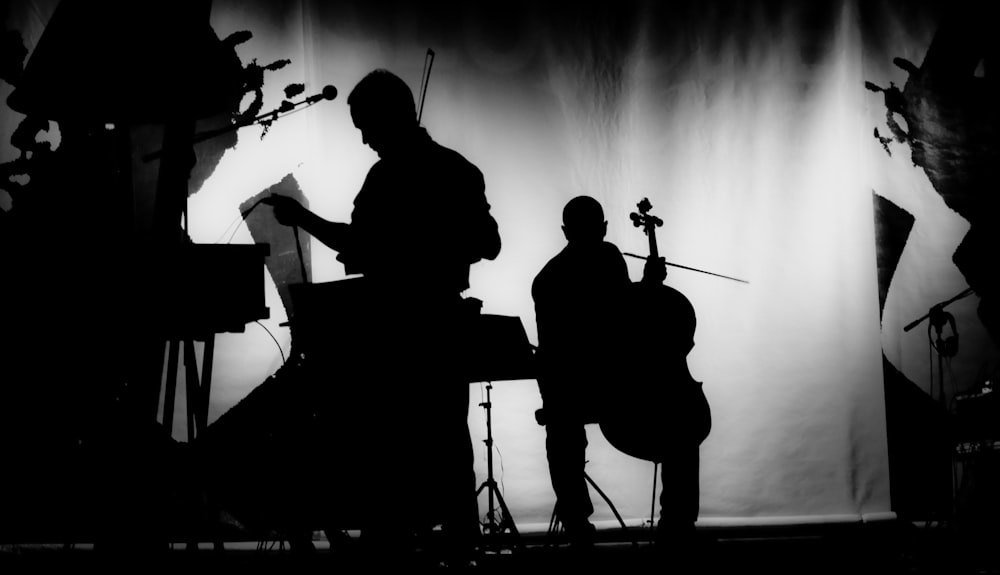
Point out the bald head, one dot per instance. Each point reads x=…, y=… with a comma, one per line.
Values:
x=583, y=220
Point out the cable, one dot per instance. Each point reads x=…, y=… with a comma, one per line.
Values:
x=243, y=216
x=500, y=455
x=246, y=212
x=281, y=351
x=235, y=222
x=930, y=362
x=295, y=230
x=230, y=240
x=482, y=399
x=298, y=249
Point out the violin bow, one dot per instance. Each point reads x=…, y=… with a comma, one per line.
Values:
x=688, y=268
x=649, y=223
x=424, y=79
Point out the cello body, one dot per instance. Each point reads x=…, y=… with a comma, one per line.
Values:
x=657, y=404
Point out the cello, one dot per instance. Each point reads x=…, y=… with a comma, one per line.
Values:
x=658, y=403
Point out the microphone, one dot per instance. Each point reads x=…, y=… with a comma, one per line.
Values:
x=328, y=93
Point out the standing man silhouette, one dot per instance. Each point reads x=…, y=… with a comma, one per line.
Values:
x=420, y=220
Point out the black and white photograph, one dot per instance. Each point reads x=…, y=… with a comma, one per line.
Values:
x=363, y=286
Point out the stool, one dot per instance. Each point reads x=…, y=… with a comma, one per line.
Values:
x=555, y=525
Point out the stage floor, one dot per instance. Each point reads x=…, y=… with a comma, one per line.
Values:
x=883, y=548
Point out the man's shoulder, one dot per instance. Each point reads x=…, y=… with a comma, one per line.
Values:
x=380, y=169
x=600, y=259
x=610, y=251
x=430, y=155
x=610, y=247
x=450, y=157
x=604, y=251
x=554, y=269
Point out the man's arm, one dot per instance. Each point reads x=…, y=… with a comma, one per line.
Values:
x=334, y=235
x=490, y=237
x=290, y=212
x=486, y=232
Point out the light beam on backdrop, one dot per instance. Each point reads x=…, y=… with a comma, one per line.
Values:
x=756, y=175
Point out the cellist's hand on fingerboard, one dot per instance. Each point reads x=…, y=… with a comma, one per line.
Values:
x=654, y=271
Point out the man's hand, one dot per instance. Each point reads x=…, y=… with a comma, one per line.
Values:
x=288, y=211
x=655, y=271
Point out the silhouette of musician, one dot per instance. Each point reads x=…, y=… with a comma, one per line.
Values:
x=419, y=222
x=592, y=321
x=578, y=296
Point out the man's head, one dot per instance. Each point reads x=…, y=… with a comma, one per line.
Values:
x=382, y=108
x=583, y=220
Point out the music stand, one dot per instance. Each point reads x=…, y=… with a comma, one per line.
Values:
x=500, y=352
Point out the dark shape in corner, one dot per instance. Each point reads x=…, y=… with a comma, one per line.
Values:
x=892, y=228
x=123, y=61
x=12, y=55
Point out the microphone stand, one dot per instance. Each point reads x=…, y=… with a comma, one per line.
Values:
x=281, y=111
x=941, y=306
x=937, y=317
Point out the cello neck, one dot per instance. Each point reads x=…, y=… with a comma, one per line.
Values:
x=648, y=222
x=654, y=253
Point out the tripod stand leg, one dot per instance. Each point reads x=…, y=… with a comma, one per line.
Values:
x=611, y=505
x=607, y=500
x=492, y=527
x=507, y=522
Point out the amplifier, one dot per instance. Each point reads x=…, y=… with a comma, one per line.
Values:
x=977, y=415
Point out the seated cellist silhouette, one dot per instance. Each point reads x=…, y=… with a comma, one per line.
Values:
x=655, y=410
